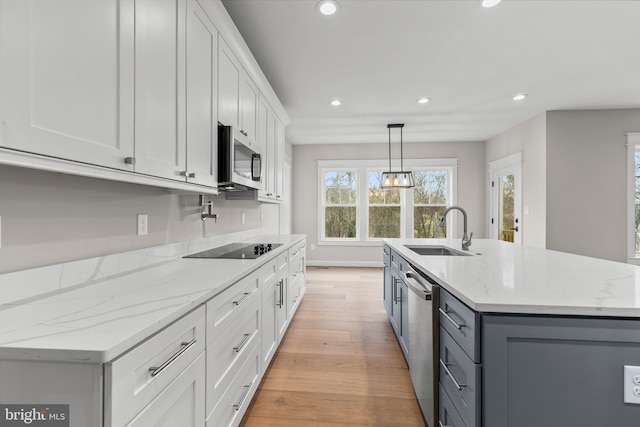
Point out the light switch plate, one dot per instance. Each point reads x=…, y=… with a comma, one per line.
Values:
x=632, y=384
x=0, y=231
x=143, y=224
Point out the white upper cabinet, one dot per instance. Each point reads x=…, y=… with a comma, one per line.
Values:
x=248, y=108
x=66, y=79
x=202, y=95
x=160, y=137
x=228, y=86
x=279, y=161
x=237, y=96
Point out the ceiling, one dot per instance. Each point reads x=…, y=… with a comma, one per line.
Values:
x=379, y=56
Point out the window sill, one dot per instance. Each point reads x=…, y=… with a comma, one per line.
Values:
x=350, y=243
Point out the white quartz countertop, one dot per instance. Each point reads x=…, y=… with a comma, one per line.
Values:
x=506, y=278
x=98, y=322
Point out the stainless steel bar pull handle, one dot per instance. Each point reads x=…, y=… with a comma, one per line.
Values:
x=450, y=375
x=155, y=370
x=450, y=319
x=442, y=425
x=243, y=397
x=244, y=342
x=241, y=300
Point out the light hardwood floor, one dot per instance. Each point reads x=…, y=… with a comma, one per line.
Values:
x=339, y=363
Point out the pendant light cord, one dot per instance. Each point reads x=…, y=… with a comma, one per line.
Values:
x=389, y=149
x=401, y=155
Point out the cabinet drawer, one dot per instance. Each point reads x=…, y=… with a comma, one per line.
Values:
x=135, y=379
x=222, y=310
x=394, y=259
x=229, y=351
x=237, y=396
x=180, y=404
x=269, y=273
x=283, y=264
x=460, y=378
x=447, y=414
x=462, y=323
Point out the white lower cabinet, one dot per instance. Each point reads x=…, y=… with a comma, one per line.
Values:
x=203, y=368
x=180, y=404
x=150, y=371
x=236, y=398
x=229, y=351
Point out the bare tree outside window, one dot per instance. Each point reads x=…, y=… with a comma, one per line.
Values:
x=429, y=203
x=384, y=209
x=340, y=198
x=637, y=216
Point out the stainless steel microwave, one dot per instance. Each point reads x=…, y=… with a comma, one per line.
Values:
x=239, y=162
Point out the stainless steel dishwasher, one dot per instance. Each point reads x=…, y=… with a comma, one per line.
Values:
x=423, y=340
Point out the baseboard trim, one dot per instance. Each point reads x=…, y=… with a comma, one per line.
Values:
x=314, y=263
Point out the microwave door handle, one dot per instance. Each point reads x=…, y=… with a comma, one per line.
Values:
x=254, y=158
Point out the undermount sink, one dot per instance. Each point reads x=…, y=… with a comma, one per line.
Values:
x=435, y=250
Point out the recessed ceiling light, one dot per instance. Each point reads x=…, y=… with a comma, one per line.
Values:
x=520, y=97
x=489, y=3
x=336, y=102
x=423, y=100
x=327, y=7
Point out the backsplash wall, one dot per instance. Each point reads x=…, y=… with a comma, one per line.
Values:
x=48, y=218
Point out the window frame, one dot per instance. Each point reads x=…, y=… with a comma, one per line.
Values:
x=362, y=169
x=633, y=146
x=324, y=205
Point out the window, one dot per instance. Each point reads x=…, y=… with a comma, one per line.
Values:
x=354, y=209
x=429, y=203
x=340, y=206
x=385, y=208
x=633, y=221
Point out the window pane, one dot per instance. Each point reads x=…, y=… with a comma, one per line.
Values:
x=431, y=188
x=340, y=187
x=425, y=222
x=384, y=221
x=378, y=195
x=637, y=175
x=637, y=229
x=340, y=222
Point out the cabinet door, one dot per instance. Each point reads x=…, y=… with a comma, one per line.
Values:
x=404, y=316
x=160, y=88
x=262, y=130
x=248, y=108
x=282, y=314
x=279, y=161
x=180, y=404
x=202, y=93
x=271, y=157
x=270, y=303
x=67, y=79
x=387, y=290
x=228, y=89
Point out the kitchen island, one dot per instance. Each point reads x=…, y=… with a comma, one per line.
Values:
x=530, y=337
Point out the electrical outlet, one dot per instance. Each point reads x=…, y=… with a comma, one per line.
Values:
x=313, y=247
x=0, y=232
x=143, y=224
x=632, y=384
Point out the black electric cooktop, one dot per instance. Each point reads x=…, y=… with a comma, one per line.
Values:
x=237, y=251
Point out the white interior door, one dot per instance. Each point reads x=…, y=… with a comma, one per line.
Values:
x=506, y=199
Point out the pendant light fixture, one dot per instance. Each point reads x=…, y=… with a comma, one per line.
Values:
x=397, y=179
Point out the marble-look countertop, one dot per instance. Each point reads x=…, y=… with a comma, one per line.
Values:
x=102, y=320
x=502, y=277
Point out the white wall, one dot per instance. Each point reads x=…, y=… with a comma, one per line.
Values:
x=529, y=138
x=586, y=181
x=471, y=172
x=49, y=218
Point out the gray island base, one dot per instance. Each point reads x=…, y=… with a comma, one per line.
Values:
x=525, y=337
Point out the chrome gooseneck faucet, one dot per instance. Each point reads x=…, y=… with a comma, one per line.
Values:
x=466, y=241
